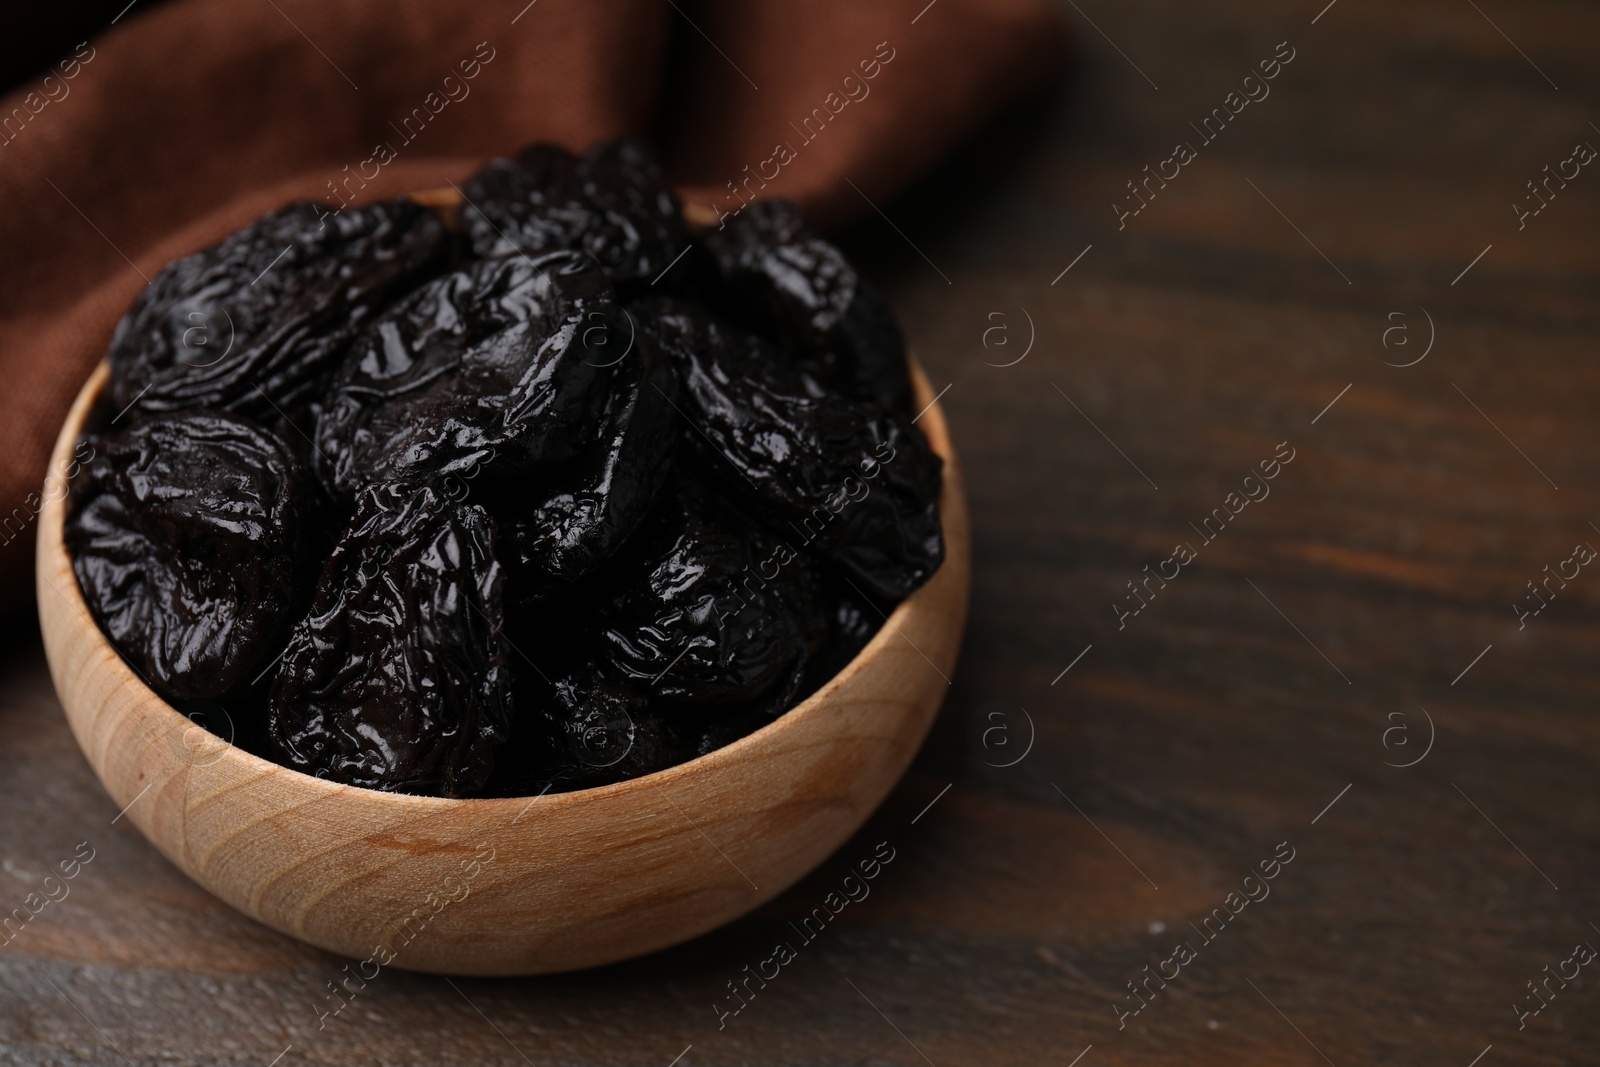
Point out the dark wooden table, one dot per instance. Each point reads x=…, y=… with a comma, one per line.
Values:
x=1100, y=784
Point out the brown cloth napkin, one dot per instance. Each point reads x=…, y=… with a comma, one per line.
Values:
x=183, y=124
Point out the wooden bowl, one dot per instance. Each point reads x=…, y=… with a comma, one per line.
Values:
x=510, y=886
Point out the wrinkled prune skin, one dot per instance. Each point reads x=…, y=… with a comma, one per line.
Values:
x=605, y=733
x=259, y=321
x=188, y=535
x=703, y=629
x=590, y=506
x=482, y=376
x=711, y=609
x=612, y=202
x=576, y=728
x=857, y=483
x=601, y=743
x=396, y=678
x=799, y=290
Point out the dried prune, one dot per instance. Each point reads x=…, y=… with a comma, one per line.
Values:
x=711, y=608
x=612, y=202
x=798, y=290
x=487, y=373
x=703, y=629
x=416, y=345
x=396, y=678
x=575, y=728
x=604, y=733
x=587, y=508
x=260, y=320
x=189, y=538
x=855, y=482
x=600, y=744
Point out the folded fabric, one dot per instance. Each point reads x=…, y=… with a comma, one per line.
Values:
x=183, y=124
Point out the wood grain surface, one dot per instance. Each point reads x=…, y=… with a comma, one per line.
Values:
x=1372, y=590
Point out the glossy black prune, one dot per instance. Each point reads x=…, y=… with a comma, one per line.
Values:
x=710, y=609
x=587, y=508
x=799, y=291
x=483, y=376
x=612, y=202
x=188, y=535
x=258, y=321
x=396, y=678
x=575, y=729
x=857, y=483
x=605, y=733
x=704, y=628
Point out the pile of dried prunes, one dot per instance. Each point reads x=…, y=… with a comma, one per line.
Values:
x=534, y=494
